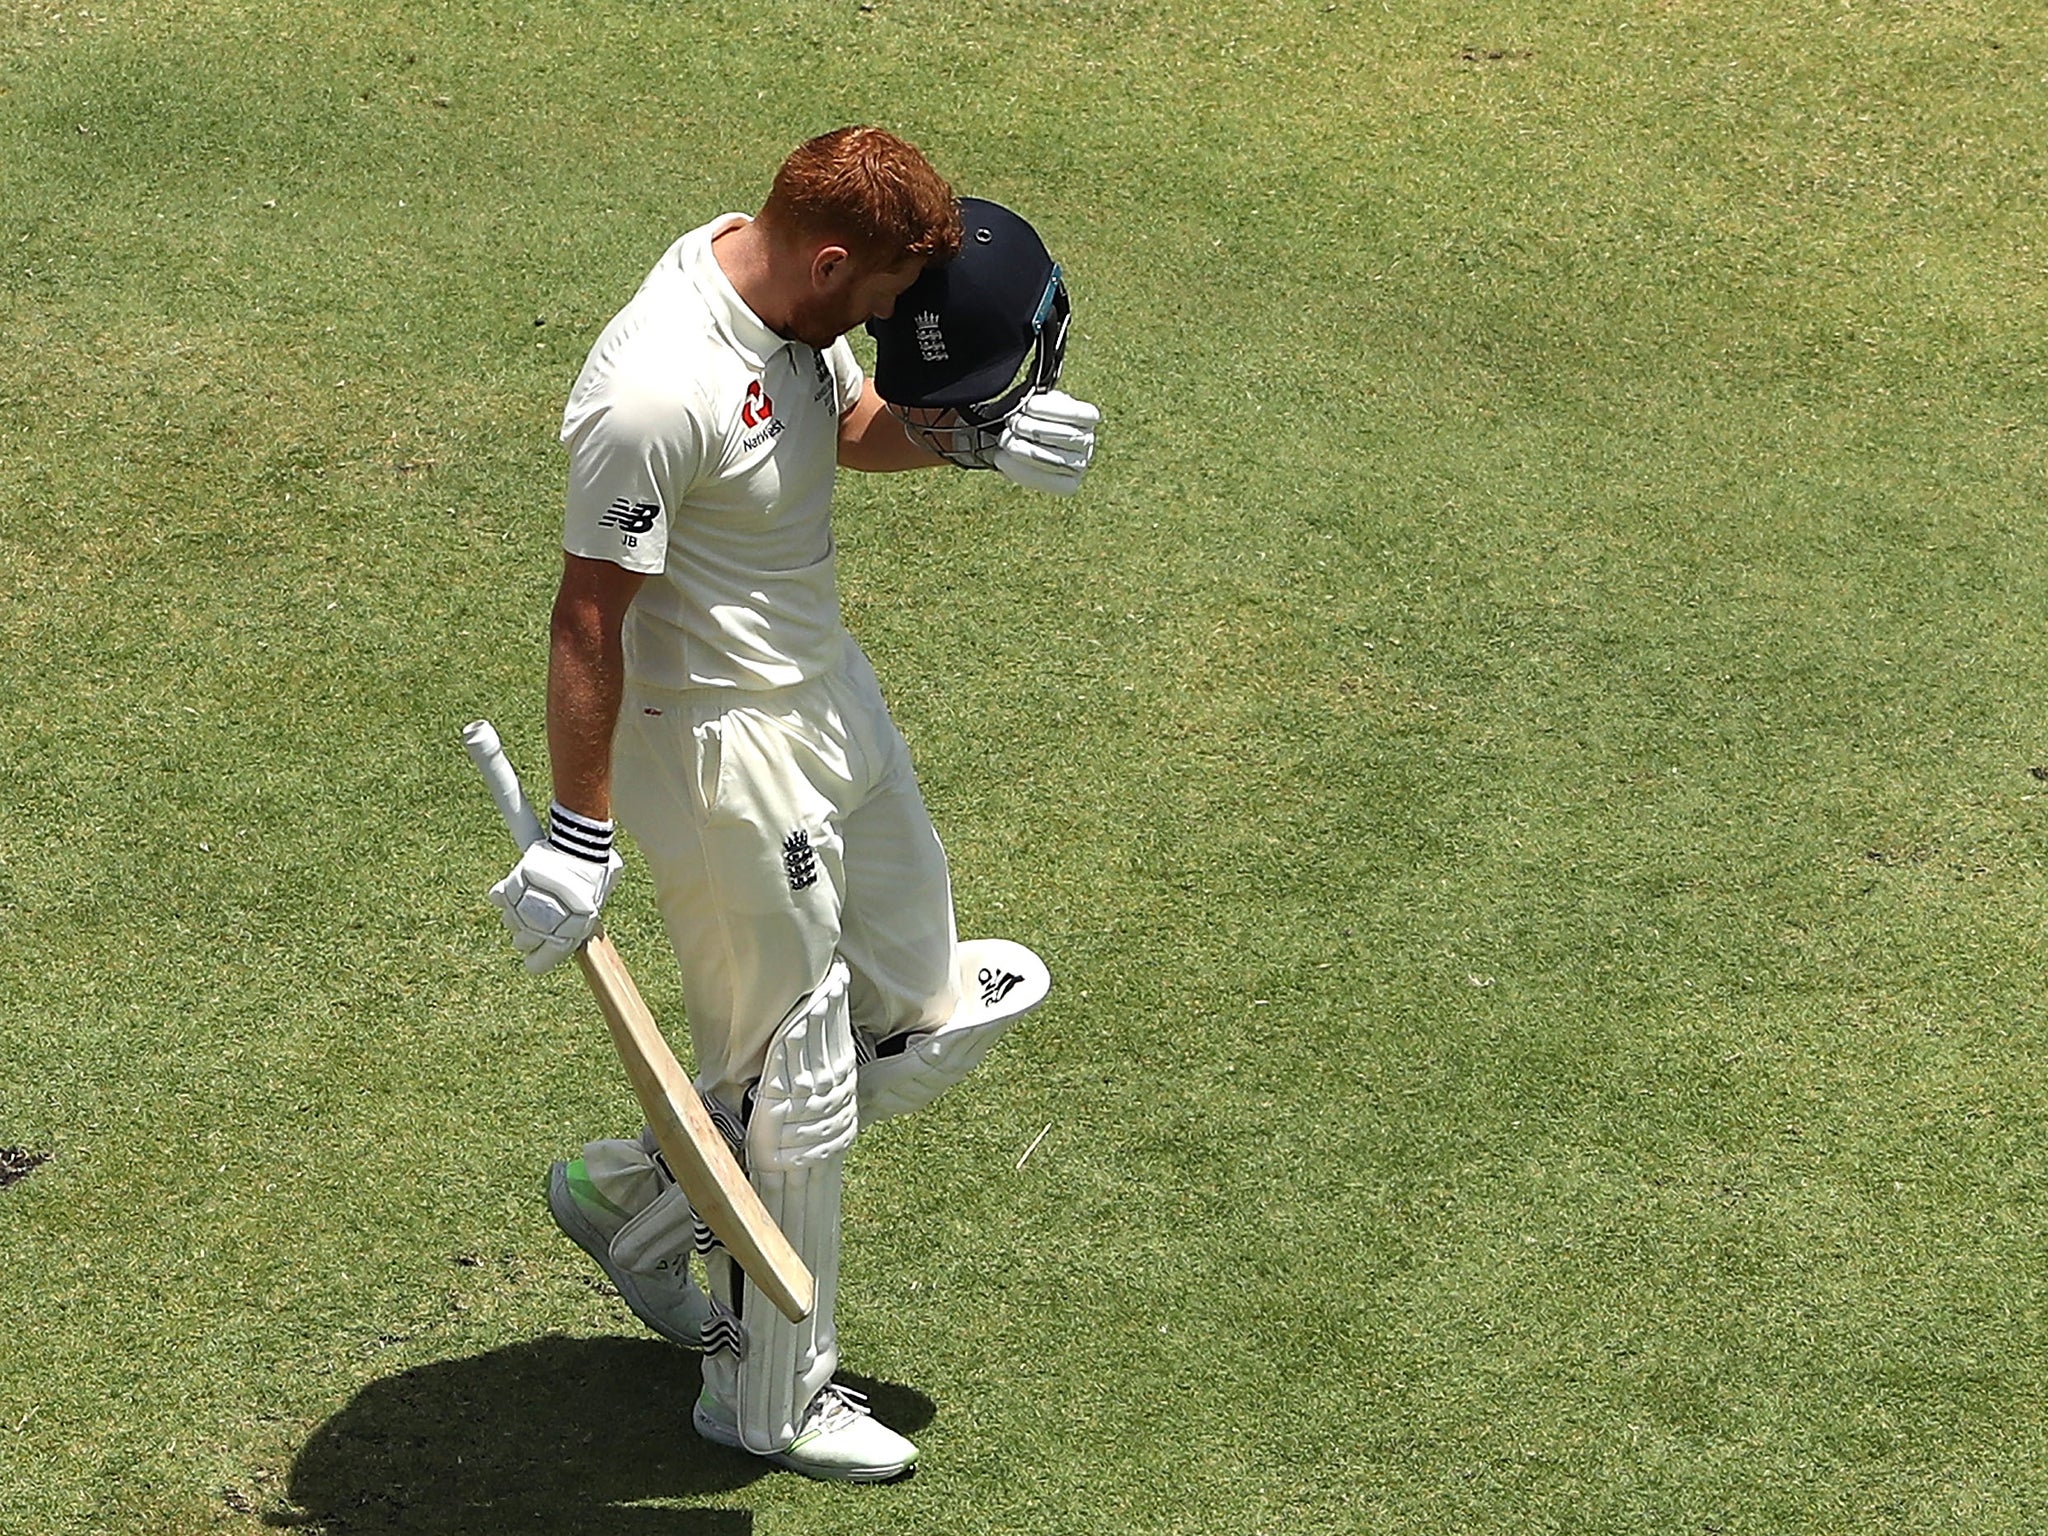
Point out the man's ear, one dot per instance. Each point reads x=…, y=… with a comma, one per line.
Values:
x=826, y=263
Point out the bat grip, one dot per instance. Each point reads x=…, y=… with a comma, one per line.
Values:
x=480, y=740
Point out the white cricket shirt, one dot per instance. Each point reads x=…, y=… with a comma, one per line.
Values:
x=702, y=451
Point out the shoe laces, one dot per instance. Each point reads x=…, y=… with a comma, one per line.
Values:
x=837, y=1407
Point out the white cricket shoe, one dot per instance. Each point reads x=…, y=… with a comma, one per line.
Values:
x=662, y=1295
x=840, y=1440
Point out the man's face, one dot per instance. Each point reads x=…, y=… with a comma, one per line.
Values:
x=846, y=292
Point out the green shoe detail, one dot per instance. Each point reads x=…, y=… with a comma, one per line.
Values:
x=586, y=1194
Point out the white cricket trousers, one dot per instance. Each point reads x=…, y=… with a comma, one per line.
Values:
x=782, y=827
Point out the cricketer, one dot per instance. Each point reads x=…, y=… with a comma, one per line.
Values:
x=704, y=694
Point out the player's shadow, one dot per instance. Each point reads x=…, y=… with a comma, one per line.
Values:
x=559, y=1437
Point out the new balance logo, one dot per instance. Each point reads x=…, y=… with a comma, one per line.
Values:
x=931, y=341
x=996, y=985
x=799, y=860
x=630, y=517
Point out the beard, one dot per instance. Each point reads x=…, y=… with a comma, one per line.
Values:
x=819, y=322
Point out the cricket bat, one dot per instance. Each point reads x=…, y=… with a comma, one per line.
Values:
x=691, y=1145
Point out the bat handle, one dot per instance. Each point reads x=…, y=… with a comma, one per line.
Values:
x=480, y=740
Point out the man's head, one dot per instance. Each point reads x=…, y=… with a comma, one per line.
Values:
x=852, y=218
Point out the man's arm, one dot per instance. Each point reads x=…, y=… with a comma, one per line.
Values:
x=871, y=438
x=587, y=679
x=552, y=898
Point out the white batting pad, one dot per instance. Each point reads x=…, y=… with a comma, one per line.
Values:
x=637, y=1223
x=1000, y=982
x=803, y=1122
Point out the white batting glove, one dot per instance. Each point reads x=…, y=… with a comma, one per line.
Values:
x=1048, y=444
x=552, y=898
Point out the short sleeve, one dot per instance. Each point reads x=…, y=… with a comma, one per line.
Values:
x=846, y=375
x=632, y=460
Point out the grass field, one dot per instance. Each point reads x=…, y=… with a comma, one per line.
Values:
x=1526, y=761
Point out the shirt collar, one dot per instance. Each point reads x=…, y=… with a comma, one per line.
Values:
x=745, y=330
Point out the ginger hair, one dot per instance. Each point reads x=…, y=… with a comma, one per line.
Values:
x=868, y=190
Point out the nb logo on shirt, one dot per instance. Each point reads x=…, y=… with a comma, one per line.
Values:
x=632, y=518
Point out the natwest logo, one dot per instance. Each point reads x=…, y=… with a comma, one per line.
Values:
x=758, y=407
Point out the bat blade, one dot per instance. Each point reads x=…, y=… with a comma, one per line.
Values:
x=695, y=1151
x=690, y=1143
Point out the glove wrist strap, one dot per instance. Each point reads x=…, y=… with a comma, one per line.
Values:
x=579, y=836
